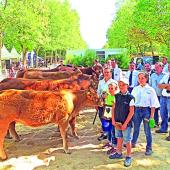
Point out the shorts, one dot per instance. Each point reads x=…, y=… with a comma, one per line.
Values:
x=125, y=134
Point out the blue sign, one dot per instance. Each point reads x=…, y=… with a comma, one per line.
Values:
x=34, y=59
x=29, y=59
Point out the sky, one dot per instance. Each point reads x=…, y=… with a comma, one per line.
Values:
x=95, y=18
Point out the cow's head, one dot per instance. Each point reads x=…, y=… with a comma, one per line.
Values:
x=85, y=81
x=92, y=97
x=97, y=70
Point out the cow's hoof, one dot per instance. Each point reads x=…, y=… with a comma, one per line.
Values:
x=3, y=158
x=8, y=137
x=76, y=136
x=17, y=139
x=67, y=151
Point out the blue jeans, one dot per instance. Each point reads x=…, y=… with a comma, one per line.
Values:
x=111, y=136
x=106, y=124
x=142, y=114
x=164, y=110
x=100, y=111
x=125, y=134
x=156, y=115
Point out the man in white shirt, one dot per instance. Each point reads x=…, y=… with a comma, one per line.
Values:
x=164, y=102
x=165, y=63
x=132, y=76
x=116, y=72
x=145, y=103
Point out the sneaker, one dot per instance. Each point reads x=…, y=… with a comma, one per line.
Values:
x=102, y=137
x=148, y=152
x=168, y=138
x=111, y=151
x=160, y=131
x=107, y=145
x=156, y=126
x=128, y=161
x=116, y=156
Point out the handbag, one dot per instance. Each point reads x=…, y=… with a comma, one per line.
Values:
x=107, y=114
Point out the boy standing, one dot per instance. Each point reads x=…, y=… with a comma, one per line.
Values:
x=107, y=116
x=122, y=113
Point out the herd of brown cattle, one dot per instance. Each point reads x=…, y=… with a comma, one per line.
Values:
x=39, y=97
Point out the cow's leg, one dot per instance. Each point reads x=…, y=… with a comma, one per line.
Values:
x=13, y=132
x=3, y=131
x=8, y=136
x=72, y=123
x=63, y=126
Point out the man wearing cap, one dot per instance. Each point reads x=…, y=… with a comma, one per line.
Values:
x=122, y=113
x=146, y=101
x=164, y=102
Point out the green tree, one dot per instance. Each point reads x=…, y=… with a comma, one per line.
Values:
x=89, y=57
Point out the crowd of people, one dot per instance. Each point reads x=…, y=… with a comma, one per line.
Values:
x=128, y=100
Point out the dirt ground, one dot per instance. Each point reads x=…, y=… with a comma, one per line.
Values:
x=41, y=149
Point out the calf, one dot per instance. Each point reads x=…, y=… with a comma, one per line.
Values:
x=84, y=82
x=36, y=108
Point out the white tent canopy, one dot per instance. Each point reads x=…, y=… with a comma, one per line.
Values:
x=5, y=54
x=14, y=53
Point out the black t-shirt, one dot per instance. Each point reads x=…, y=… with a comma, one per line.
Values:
x=122, y=107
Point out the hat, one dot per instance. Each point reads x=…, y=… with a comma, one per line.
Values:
x=124, y=80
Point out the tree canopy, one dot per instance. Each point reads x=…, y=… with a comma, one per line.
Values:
x=141, y=26
x=42, y=24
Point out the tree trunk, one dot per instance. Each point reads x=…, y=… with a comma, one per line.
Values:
x=45, y=59
x=24, y=52
x=1, y=44
x=51, y=59
x=152, y=48
x=37, y=51
x=137, y=51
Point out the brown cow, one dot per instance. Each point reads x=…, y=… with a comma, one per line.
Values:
x=20, y=73
x=84, y=82
x=95, y=70
x=50, y=75
x=36, y=108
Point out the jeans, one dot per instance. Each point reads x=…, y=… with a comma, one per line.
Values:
x=125, y=134
x=164, y=110
x=100, y=111
x=111, y=136
x=106, y=124
x=142, y=114
x=156, y=115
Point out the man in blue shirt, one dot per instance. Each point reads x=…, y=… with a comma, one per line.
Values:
x=154, y=81
x=164, y=102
